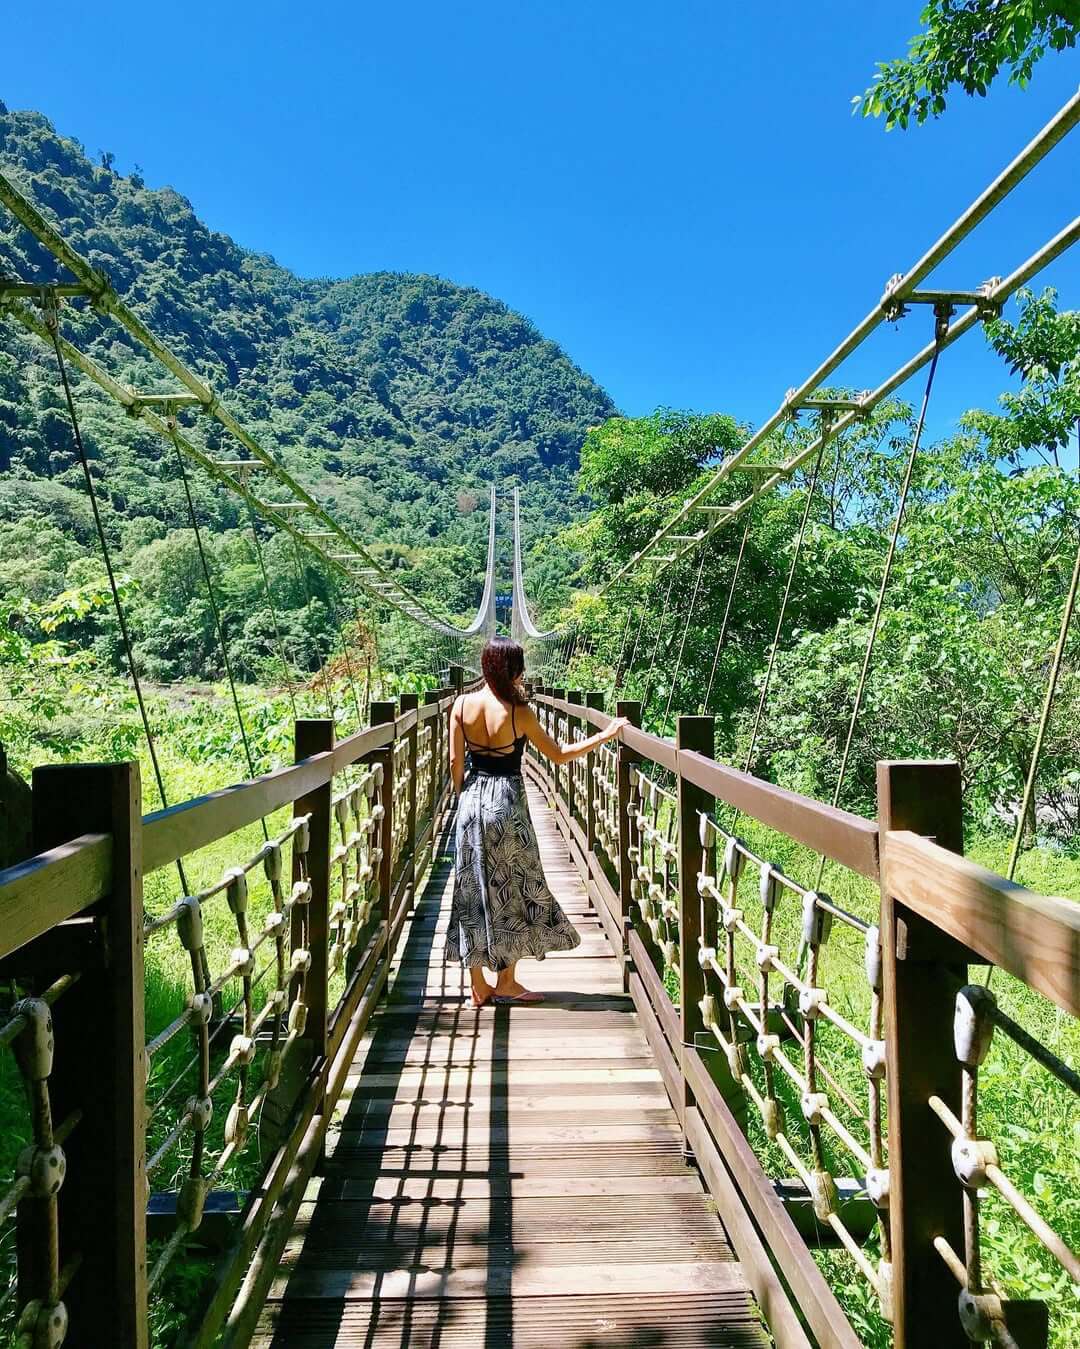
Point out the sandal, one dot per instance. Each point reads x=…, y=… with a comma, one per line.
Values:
x=530, y=995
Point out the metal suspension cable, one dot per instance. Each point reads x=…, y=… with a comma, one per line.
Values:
x=273, y=611
x=722, y=638
x=1047, y=707
x=656, y=645
x=52, y=322
x=357, y=563
x=941, y=322
x=902, y=288
x=306, y=591
x=641, y=625
x=622, y=648
x=348, y=669
x=216, y=614
x=682, y=643
x=783, y=608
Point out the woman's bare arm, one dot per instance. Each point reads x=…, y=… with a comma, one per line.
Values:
x=560, y=754
x=457, y=746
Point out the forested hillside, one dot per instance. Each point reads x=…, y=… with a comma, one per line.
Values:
x=396, y=398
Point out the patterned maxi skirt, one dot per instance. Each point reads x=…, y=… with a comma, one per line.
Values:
x=502, y=909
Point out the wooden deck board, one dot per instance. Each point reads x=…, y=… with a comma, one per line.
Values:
x=510, y=1178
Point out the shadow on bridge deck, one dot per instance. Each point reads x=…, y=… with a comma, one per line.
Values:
x=509, y=1177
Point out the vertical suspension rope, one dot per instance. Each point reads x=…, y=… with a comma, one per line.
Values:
x=622, y=648
x=273, y=611
x=52, y=322
x=306, y=591
x=641, y=625
x=783, y=606
x=682, y=643
x=214, y=610
x=890, y=556
x=656, y=644
x=349, y=671
x=1048, y=703
x=727, y=614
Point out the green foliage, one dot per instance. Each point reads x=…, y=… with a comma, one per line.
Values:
x=967, y=42
x=971, y=614
x=395, y=398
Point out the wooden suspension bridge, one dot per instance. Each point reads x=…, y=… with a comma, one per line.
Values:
x=656, y=1156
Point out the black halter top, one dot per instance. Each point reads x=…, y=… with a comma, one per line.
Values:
x=497, y=761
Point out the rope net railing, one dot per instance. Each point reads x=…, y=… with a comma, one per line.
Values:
x=753, y=940
x=776, y=1010
x=259, y=977
x=40, y=1170
x=355, y=861
x=261, y=983
x=981, y=1174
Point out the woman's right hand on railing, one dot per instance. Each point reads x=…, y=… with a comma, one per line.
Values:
x=613, y=730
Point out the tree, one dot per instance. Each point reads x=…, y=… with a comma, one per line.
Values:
x=967, y=42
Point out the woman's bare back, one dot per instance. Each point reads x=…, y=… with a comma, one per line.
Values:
x=487, y=722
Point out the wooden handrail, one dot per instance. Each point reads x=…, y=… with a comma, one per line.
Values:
x=1034, y=937
x=843, y=837
x=184, y=828
x=52, y=887
x=840, y=835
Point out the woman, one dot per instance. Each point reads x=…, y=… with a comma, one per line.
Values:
x=502, y=908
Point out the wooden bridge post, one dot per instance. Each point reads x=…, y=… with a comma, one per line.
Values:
x=315, y=736
x=100, y=1065
x=409, y=702
x=923, y=970
x=457, y=678
x=381, y=714
x=434, y=696
x=693, y=733
x=626, y=759
x=558, y=774
x=573, y=806
x=594, y=700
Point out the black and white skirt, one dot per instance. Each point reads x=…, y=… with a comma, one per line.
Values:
x=502, y=909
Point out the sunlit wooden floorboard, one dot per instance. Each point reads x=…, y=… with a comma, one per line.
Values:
x=509, y=1177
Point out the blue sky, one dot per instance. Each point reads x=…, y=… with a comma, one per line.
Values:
x=678, y=193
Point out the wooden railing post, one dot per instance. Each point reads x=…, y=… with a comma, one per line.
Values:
x=436, y=724
x=409, y=702
x=558, y=774
x=457, y=678
x=315, y=736
x=573, y=806
x=100, y=1064
x=694, y=733
x=923, y=970
x=381, y=713
x=595, y=701
x=626, y=759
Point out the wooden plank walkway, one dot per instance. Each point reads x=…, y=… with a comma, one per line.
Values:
x=509, y=1177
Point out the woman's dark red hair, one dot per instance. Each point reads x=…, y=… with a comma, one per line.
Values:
x=502, y=661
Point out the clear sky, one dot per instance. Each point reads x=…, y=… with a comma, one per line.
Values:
x=677, y=193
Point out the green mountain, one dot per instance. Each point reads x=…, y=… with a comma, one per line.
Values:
x=395, y=398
